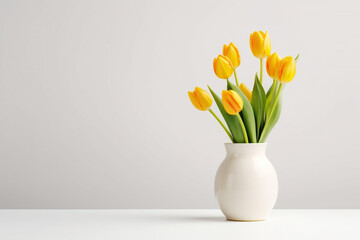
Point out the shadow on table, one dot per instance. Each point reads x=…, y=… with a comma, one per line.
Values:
x=200, y=218
x=153, y=216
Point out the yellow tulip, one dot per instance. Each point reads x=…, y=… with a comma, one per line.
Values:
x=260, y=44
x=286, y=69
x=232, y=52
x=232, y=102
x=200, y=99
x=223, y=67
x=246, y=91
x=271, y=64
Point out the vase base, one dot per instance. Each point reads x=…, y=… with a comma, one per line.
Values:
x=233, y=220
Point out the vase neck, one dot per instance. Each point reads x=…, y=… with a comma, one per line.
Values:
x=253, y=149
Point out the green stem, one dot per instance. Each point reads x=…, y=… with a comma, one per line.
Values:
x=222, y=124
x=237, y=83
x=242, y=127
x=272, y=111
x=261, y=70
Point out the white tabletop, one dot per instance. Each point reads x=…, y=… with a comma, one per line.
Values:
x=175, y=224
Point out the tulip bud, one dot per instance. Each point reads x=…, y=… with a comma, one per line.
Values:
x=232, y=52
x=260, y=44
x=200, y=99
x=223, y=67
x=285, y=71
x=246, y=91
x=271, y=64
x=232, y=102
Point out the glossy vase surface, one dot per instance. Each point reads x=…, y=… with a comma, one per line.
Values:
x=246, y=184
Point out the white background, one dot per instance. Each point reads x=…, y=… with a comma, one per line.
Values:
x=94, y=110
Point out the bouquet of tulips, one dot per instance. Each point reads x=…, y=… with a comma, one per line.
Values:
x=249, y=115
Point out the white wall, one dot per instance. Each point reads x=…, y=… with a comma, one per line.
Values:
x=95, y=113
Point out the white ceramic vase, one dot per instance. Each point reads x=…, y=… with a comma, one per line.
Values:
x=246, y=184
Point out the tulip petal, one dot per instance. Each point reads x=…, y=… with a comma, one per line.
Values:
x=251, y=43
x=236, y=100
x=257, y=43
x=234, y=56
x=214, y=65
x=232, y=102
x=195, y=101
x=225, y=49
x=246, y=91
x=272, y=63
x=267, y=45
x=203, y=98
x=223, y=67
x=286, y=70
x=228, y=107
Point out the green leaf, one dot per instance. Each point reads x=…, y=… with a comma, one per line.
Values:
x=269, y=90
x=247, y=113
x=297, y=57
x=270, y=98
x=231, y=120
x=274, y=118
x=258, y=101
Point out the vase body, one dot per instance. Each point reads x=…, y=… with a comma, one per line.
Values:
x=246, y=184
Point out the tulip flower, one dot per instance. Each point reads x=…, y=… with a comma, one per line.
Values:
x=246, y=91
x=233, y=104
x=202, y=101
x=232, y=52
x=286, y=69
x=260, y=44
x=271, y=64
x=223, y=67
x=261, y=47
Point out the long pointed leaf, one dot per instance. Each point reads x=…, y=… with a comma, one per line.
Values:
x=247, y=113
x=231, y=120
x=258, y=101
x=270, y=98
x=274, y=118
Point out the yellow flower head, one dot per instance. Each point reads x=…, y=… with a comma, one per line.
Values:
x=246, y=91
x=271, y=64
x=223, y=67
x=286, y=69
x=200, y=99
x=260, y=44
x=232, y=52
x=232, y=102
